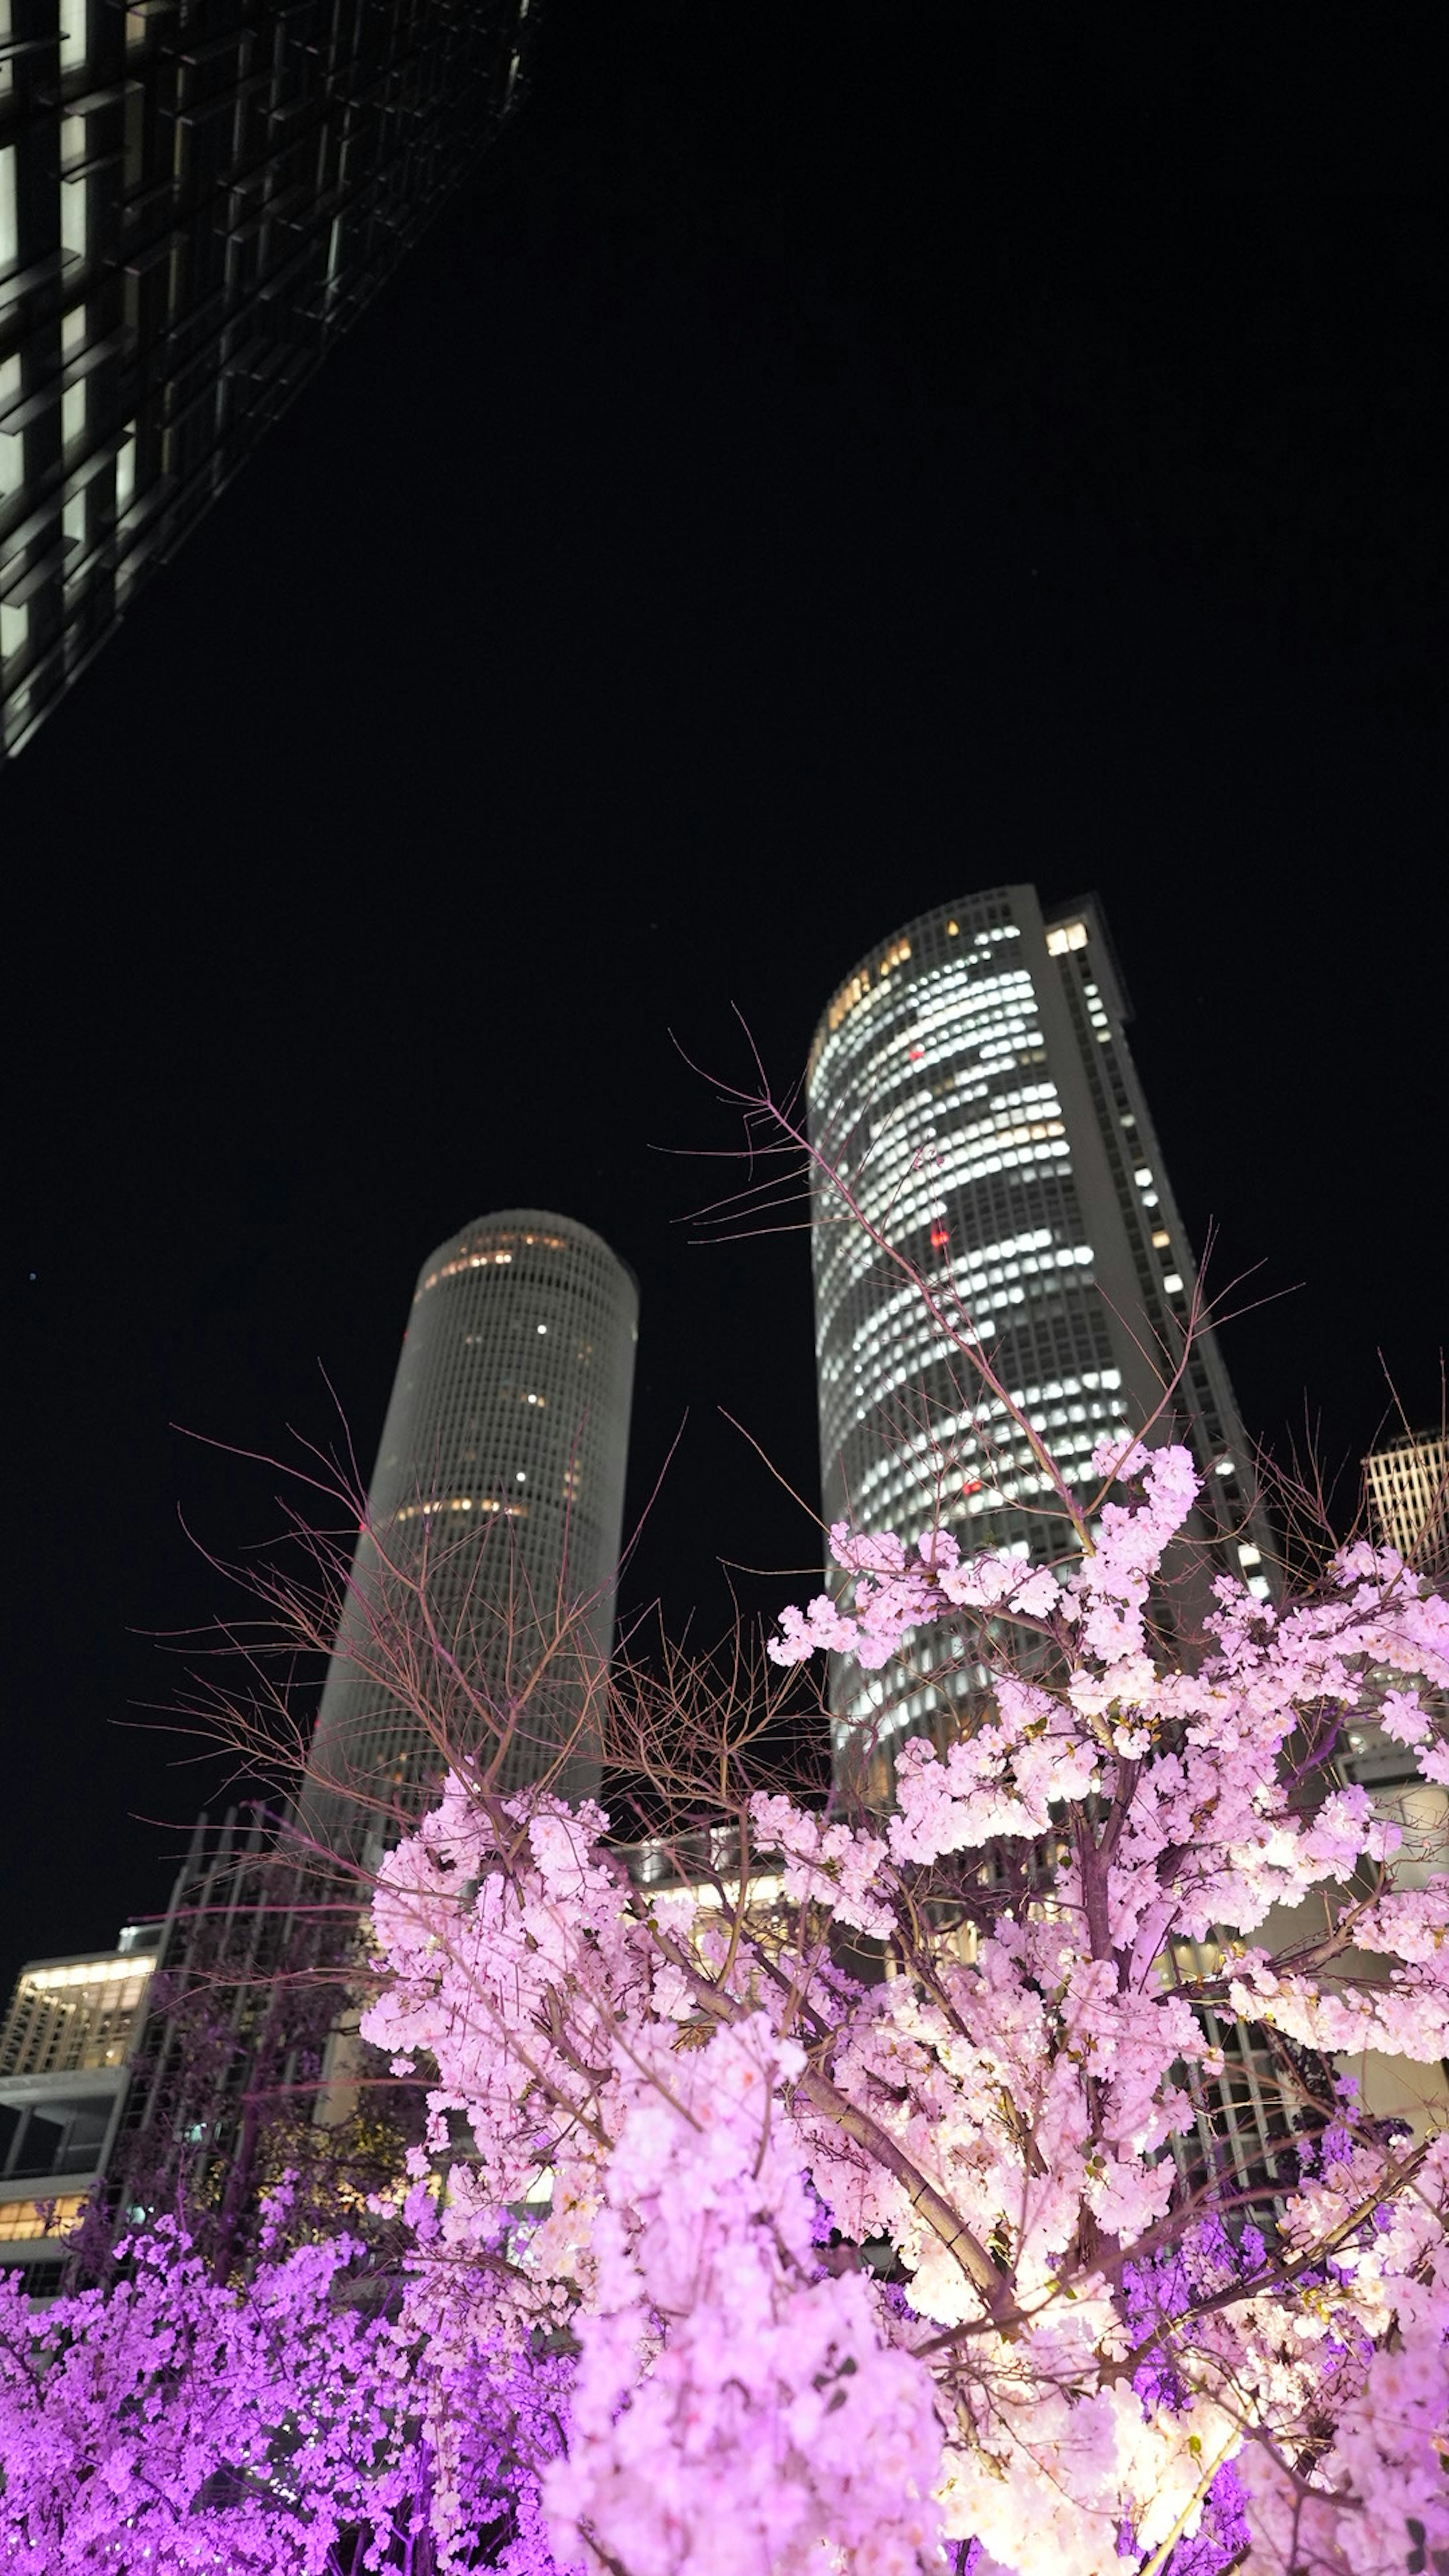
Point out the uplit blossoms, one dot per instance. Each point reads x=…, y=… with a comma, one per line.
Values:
x=1082, y=2338
x=280, y=2425
x=722, y=2259
x=175, y=2423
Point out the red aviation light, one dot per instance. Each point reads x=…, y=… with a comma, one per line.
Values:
x=940, y=1237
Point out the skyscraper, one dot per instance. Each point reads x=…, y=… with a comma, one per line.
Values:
x=196, y=198
x=972, y=1080
x=499, y=1486
x=501, y=1470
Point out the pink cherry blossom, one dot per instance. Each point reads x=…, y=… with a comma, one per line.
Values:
x=723, y=2254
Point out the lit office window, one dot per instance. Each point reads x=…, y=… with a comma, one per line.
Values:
x=12, y=442
x=126, y=469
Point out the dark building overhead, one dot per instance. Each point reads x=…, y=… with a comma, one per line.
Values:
x=196, y=198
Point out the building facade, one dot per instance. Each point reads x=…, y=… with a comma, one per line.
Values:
x=1408, y=1491
x=64, y=2054
x=972, y=1081
x=196, y=198
x=499, y=1485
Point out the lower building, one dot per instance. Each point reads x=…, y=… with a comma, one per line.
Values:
x=65, y=2057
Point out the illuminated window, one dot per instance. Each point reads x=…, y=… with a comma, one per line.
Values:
x=1161, y=1238
x=1172, y=1282
x=24, y=2220
x=74, y=2013
x=1069, y=934
x=12, y=442
x=126, y=469
x=74, y=193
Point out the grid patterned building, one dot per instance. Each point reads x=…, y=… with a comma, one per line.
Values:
x=196, y=197
x=64, y=2049
x=503, y=1454
x=1408, y=1487
x=973, y=1081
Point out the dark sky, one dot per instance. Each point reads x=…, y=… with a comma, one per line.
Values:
x=831, y=459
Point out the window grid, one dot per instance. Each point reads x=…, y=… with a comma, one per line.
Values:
x=1408, y=1485
x=948, y=1087
x=68, y=2014
x=194, y=203
x=505, y=1448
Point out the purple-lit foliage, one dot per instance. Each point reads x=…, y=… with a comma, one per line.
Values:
x=716, y=2257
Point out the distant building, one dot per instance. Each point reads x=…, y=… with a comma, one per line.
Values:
x=1408, y=1487
x=196, y=199
x=64, y=2051
x=501, y=1478
x=499, y=1484
x=972, y=1080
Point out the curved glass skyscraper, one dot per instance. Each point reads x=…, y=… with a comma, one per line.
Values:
x=972, y=1080
x=496, y=1508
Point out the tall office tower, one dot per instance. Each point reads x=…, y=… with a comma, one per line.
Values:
x=502, y=1469
x=972, y=1080
x=1408, y=1486
x=196, y=197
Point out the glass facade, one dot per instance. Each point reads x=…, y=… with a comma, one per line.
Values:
x=1408, y=1488
x=72, y=2013
x=971, y=1080
x=196, y=197
x=65, y=2048
x=501, y=1469
x=251, y=1959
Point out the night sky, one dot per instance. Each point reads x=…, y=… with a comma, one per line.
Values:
x=831, y=459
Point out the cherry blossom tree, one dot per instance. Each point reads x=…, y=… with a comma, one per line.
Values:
x=841, y=2197
x=932, y=2268
x=928, y=2265
x=289, y=2424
